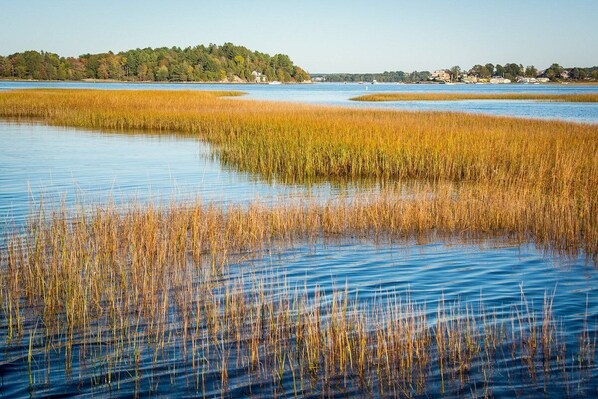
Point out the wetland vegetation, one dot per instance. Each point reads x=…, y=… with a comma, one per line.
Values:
x=115, y=294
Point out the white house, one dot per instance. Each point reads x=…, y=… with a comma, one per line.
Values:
x=259, y=77
x=499, y=80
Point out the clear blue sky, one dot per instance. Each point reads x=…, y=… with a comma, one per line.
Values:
x=321, y=36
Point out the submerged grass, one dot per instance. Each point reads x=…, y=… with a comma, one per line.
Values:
x=575, y=98
x=114, y=293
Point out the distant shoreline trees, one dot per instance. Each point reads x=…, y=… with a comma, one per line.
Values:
x=212, y=63
x=392, y=76
x=509, y=71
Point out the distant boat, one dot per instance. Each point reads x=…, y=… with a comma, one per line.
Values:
x=274, y=82
x=449, y=83
x=374, y=82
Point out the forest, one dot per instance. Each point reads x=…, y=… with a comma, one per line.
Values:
x=212, y=63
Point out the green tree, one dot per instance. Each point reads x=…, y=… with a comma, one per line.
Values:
x=554, y=72
x=455, y=72
x=499, y=70
x=531, y=71
x=198, y=63
x=162, y=73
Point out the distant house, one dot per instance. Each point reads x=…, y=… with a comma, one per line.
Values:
x=565, y=75
x=259, y=77
x=440, y=74
x=469, y=79
x=526, y=80
x=499, y=80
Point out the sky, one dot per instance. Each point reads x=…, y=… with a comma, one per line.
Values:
x=321, y=36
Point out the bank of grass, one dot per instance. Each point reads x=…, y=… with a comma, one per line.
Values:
x=546, y=169
x=576, y=98
x=127, y=291
x=295, y=142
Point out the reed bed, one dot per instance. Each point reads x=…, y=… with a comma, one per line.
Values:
x=573, y=98
x=108, y=295
x=546, y=171
x=295, y=142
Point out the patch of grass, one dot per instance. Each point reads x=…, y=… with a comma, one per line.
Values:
x=577, y=98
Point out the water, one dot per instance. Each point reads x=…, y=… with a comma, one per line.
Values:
x=338, y=94
x=78, y=165
x=55, y=164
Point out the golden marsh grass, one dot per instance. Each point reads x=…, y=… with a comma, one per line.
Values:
x=575, y=98
x=298, y=142
x=544, y=171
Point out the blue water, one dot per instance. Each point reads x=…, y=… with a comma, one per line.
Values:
x=338, y=94
x=64, y=164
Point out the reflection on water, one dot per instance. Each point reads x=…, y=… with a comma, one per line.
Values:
x=57, y=164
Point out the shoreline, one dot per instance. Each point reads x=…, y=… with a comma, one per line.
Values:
x=150, y=82
x=287, y=83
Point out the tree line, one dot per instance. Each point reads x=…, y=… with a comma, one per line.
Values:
x=212, y=63
x=508, y=71
x=511, y=71
x=387, y=76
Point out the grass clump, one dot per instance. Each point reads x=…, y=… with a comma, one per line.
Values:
x=575, y=98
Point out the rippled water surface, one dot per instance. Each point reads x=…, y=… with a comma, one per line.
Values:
x=53, y=163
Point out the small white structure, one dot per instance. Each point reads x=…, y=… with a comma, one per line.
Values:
x=259, y=77
x=499, y=80
x=526, y=80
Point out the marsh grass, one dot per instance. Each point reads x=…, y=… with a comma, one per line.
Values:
x=107, y=295
x=297, y=142
x=582, y=98
x=547, y=171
